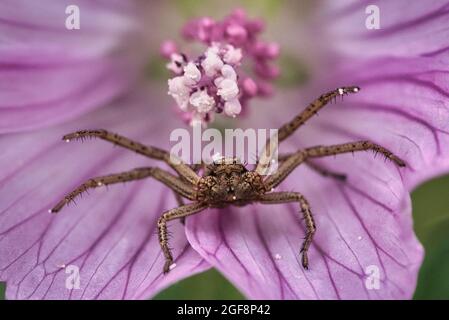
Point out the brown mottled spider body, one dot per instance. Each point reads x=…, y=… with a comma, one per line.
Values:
x=228, y=182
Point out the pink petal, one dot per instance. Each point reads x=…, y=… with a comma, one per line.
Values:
x=409, y=98
x=49, y=74
x=402, y=69
x=360, y=225
x=110, y=234
x=406, y=28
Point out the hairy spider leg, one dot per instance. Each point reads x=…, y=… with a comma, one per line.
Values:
x=176, y=213
x=290, y=127
x=285, y=197
x=317, y=168
x=299, y=157
x=151, y=152
x=180, y=187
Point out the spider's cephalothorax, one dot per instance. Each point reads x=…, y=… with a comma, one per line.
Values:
x=226, y=181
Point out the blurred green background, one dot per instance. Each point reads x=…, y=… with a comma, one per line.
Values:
x=431, y=218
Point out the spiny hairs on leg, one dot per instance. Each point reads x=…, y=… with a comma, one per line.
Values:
x=297, y=158
x=148, y=151
x=287, y=129
x=119, y=140
x=102, y=181
x=323, y=151
x=177, y=213
x=290, y=127
x=286, y=197
x=179, y=186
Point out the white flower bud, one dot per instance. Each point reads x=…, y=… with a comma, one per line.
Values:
x=212, y=63
x=228, y=72
x=202, y=101
x=228, y=89
x=192, y=74
x=232, y=107
x=232, y=55
x=179, y=91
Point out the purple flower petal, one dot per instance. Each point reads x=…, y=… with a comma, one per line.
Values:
x=109, y=235
x=403, y=71
x=406, y=28
x=365, y=222
x=49, y=73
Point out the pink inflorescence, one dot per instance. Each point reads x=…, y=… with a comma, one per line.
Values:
x=215, y=81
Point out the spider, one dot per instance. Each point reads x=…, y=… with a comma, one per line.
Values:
x=228, y=182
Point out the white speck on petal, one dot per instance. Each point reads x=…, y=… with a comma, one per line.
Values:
x=359, y=238
x=277, y=256
x=172, y=266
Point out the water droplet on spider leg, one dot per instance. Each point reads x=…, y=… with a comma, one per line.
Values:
x=172, y=266
x=277, y=256
x=341, y=91
x=67, y=140
x=99, y=183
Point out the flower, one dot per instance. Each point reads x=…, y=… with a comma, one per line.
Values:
x=218, y=71
x=46, y=91
x=363, y=225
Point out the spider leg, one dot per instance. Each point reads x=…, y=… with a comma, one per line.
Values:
x=179, y=199
x=290, y=127
x=172, y=214
x=180, y=202
x=295, y=159
x=176, y=184
x=318, y=168
x=284, y=169
x=324, y=151
x=324, y=171
x=148, y=151
x=285, y=197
